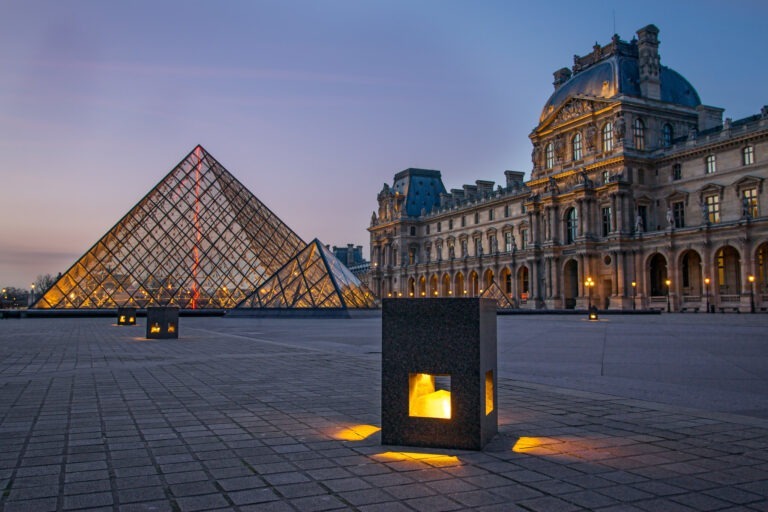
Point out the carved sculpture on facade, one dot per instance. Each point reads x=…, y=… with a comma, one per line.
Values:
x=559, y=147
x=639, y=228
x=590, y=135
x=619, y=129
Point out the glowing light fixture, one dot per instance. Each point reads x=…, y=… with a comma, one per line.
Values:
x=126, y=316
x=438, y=373
x=162, y=322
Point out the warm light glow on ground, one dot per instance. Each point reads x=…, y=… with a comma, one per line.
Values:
x=571, y=448
x=356, y=432
x=435, y=459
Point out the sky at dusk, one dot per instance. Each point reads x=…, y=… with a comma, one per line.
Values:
x=312, y=105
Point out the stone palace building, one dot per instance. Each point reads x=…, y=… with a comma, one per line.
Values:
x=640, y=197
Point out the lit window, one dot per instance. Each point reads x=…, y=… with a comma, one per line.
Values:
x=677, y=172
x=607, y=137
x=576, y=144
x=638, y=133
x=711, y=164
x=713, y=209
x=666, y=135
x=549, y=156
x=749, y=200
x=678, y=213
x=748, y=155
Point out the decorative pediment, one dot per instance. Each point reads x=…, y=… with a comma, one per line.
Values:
x=677, y=196
x=490, y=231
x=574, y=108
x=748, y=182
x=712, y=188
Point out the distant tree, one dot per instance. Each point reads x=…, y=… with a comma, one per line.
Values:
x=14, y=297
x=43, y=282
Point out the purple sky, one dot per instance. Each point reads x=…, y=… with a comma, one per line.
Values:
x=312, y=105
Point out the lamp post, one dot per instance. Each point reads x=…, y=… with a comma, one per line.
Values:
x=751, y=280
x=634, y=294
x=668, y=283
x=589, y=283
x=2, y=299
x=32, y=294
x=706, y=291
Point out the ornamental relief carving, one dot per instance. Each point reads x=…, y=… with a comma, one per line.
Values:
x=572, y=110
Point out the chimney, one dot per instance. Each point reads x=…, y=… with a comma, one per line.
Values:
x=562, y=75
x=648, y=62
x=514, y=178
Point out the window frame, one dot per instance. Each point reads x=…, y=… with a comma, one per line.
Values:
x=606, y=137
x=638, y=134
x=667, y=134
x=549, y=156
x=748, y=155
x=577, y=147
x=710, y=164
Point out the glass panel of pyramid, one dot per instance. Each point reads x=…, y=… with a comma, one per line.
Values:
x=494, y=292
x=314, y=278
x=198, y=240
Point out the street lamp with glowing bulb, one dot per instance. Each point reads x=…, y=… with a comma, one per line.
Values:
x=706, y=290
x=589, y=283
x=668, y=283
x=751, y=280
x=634, y=294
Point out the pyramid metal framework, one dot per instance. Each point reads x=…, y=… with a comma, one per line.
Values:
x=494, y=292
x=314, y=278
x=198, y=240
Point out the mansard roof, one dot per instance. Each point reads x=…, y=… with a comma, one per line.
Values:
x=611, y=71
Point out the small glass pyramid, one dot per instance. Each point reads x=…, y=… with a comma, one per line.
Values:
x=314, y=278
x=198, y=240
x=494, y=292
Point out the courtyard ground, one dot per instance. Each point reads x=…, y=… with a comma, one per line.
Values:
x=628, y=413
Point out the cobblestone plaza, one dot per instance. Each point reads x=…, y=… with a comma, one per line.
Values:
x=628, y=413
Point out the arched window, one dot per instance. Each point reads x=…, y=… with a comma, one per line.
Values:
x=666, y=135
x=638, y=133
x=549, y=156
x=607, y=137
x=571, y=225
x=576, y=145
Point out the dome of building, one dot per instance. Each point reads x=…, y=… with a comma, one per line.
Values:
x=615, y=75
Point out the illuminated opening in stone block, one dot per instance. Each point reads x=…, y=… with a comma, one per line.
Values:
x=155, y=328
x=171, y=329
x=429, y=396
x=488, y=392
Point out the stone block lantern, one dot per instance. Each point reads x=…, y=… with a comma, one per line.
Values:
x=126, y=316
x=162, y=322
x=439, y=372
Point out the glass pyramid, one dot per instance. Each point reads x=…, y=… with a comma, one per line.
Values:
x=314, y=278
x=494, y=292
x=198, y=240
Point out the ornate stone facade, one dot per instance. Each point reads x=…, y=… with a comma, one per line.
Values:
x=635, y=186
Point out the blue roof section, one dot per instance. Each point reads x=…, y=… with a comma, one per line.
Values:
x=421, y=188
x=622, y=76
